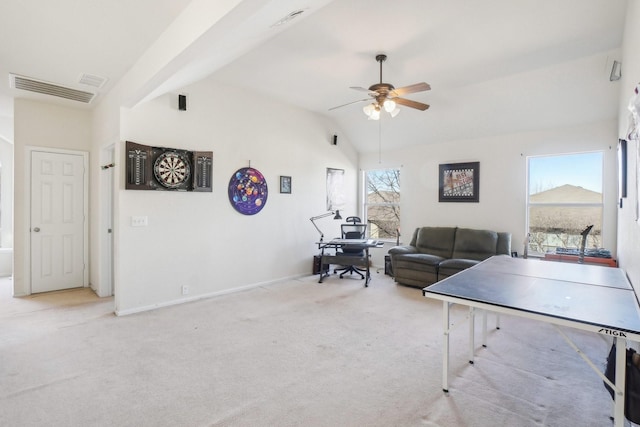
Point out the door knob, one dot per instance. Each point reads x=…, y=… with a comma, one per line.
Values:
x=36, y=229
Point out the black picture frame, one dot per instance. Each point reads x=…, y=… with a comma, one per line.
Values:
x=622, y=169
x=285, y=184
x=459, y=182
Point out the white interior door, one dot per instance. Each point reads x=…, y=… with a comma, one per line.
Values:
x=57, y=221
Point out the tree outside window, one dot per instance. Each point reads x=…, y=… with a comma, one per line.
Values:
x=382, y=203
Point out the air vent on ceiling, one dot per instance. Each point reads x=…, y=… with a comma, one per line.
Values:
x=92, y=80
x=290, y=17
x=37, y=86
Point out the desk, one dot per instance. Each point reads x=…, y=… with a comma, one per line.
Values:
x=341, y=259
x=586, y=297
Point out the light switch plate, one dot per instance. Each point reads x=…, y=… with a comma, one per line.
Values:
x=139, y=221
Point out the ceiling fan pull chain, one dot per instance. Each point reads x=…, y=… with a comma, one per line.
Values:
x=380, y=142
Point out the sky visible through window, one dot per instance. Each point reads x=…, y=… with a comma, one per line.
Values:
x=583, y=170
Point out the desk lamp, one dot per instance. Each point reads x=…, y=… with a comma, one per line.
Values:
x=324, y=215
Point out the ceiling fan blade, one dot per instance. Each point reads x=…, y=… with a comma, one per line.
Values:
x=418, y=87
x=361, y=89
x=413, y=104
x=349, y=103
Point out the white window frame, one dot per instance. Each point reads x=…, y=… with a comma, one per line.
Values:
x=528, y=204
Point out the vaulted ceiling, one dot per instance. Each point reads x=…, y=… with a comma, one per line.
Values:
x=494, y=66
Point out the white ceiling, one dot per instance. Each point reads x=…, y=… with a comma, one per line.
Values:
x=495, y=66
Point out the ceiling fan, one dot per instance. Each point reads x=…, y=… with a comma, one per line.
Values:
x=385, y=95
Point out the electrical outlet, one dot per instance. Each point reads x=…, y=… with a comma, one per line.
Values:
x=185, y=290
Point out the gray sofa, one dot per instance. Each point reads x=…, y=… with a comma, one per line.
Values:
x=438, y=252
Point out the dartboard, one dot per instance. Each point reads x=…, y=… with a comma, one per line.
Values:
x=171, y=169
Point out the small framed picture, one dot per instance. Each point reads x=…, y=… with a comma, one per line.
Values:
x=285, y=184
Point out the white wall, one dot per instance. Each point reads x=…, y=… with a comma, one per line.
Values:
x=503, y=163
x=628, y=227
x=198, y=239
x=105, y=136
x=40, y=125
x=6, y=202
x=6, y=193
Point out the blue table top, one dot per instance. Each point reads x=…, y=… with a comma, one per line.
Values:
x=596, y=295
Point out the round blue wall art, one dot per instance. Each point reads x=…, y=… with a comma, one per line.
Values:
x=248, y=191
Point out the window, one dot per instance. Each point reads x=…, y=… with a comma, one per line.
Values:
x=564, y=198
x=382, y=203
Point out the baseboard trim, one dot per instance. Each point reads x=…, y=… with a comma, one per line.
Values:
x=203, y=296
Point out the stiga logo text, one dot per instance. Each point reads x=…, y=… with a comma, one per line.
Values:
x=612, y=332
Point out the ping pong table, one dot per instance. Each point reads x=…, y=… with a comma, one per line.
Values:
x=586, y=297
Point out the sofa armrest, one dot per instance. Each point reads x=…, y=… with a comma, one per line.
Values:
x=401, y=250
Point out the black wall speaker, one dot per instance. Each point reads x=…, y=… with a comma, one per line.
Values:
x=335, y=139
x=182, y=102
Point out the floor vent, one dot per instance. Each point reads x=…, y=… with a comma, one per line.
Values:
x=37, y=86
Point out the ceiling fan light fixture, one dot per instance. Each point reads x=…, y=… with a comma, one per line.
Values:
x=389, y=105
x=373, y=110
x=368, y=109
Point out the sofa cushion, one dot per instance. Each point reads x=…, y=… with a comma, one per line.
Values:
x=458, y=263
x=436, y=241
x=418, y=261
x=504, y=243
x=449, y=267
x=475, y=244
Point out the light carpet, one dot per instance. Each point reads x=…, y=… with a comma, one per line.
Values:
x=296, y=353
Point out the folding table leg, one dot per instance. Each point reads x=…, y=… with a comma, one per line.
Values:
x=621, y=366
x=472, y=324
x=445, y=346
x=484, y=328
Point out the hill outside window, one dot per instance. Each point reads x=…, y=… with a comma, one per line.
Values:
x=382, y=203
x=564, y=197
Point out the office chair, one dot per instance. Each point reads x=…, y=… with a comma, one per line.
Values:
x=353, y=231
x=353, y=219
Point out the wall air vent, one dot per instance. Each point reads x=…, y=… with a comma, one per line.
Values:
x=38, y=86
